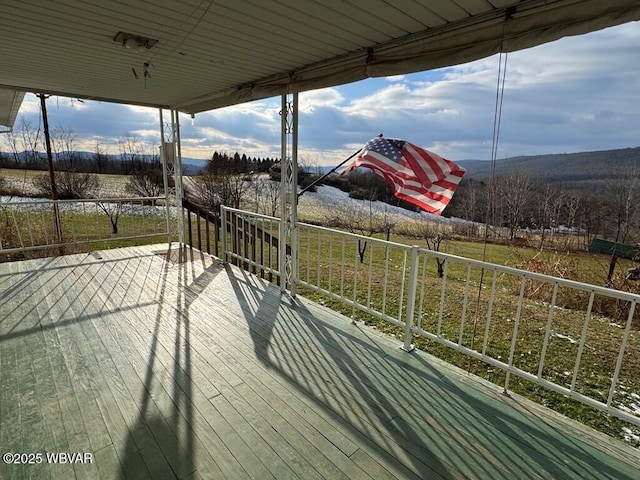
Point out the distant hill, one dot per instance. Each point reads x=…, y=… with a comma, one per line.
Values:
x=584, y=170
x=190, y=166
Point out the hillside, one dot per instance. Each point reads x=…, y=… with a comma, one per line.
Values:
x=584, y=170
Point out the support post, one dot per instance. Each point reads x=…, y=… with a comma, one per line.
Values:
x=172, y=163
x=178, y=176
x=165, y=176
x=407, y=346
x=52, y=178
x=288, y=264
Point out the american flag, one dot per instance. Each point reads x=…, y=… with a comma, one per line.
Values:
x=416, y=175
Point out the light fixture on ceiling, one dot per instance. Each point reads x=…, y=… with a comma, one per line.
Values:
x=134, y=42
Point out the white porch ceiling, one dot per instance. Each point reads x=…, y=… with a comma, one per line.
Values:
x=214, y=53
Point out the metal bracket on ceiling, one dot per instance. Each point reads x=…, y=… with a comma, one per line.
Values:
x=134, y=42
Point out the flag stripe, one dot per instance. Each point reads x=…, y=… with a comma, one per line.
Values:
x=416, y=175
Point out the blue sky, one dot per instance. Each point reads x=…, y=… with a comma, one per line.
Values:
x=576, y=94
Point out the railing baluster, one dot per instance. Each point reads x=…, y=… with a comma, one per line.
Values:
x=401, y=300
x=318, y=261
x=199, y=233
x=355, y=282
x=330, y=260
x=514, y=339
x=492, y=296
x=583, y=339
x=407, y=346
x=547, y=331
x=342, y=269
x=206, y=235
x=386, y=279
x=17, y=227
x=464, y=304
x=259, y=247
x=30, y=228
x=443, y=290
x=422, y=290
x=623, y=347
x=45, y=230
x=223, y=229
x=370, y=276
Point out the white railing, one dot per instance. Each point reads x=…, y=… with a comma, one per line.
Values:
x=572, y=338
x=45, y=224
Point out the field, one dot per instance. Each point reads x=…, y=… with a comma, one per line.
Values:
x=19, y=183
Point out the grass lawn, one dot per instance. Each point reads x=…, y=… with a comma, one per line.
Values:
x=382, y=287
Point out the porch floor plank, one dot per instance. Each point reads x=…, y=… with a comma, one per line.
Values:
x=200, y=370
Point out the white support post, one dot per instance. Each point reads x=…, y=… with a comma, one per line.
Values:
x=287, y=264
x=165, y=177
x=407, y=346
x=172, y=168
x=175, y=123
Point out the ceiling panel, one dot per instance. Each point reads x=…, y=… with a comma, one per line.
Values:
x=215, y=53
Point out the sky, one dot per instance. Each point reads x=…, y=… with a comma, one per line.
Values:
x=576, y=94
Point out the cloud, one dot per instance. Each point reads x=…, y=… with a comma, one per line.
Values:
x=576, y=94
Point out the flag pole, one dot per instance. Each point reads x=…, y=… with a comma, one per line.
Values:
x=318, y=180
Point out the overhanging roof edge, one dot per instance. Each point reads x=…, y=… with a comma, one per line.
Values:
x=457, y=43
x=8, y=117
x=59, y=93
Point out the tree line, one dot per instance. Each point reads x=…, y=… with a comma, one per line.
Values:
x=513, y=204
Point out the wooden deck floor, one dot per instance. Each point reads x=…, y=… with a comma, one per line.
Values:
x=199, y=370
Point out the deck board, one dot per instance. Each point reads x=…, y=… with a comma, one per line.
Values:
x=200, y=370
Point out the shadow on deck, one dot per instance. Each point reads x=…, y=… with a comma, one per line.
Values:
x=201, y=370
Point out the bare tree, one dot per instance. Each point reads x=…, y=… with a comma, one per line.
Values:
x=132, y=153
x=222, y=189
x=621, y=209
x=146, y=183
x=112, y=211
x=435, y=235
x=99, y=158
x=266, y=194
x=69, y=184
x=362, y=219
x=63, y=144
x=514, y=193
x=622, y=213
x=23, y=143
x=548, y=205
x=470, y=201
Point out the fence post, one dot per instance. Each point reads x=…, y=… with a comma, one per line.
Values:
x=223, y=229
x=407, y=346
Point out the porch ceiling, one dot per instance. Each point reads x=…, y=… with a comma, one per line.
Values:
x=211, y=54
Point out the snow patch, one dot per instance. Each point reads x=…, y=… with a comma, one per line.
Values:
x=322, y=201
x=565, y=337
x=630, y=436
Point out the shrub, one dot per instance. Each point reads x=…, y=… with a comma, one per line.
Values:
x=69, y=185
x=146, y=183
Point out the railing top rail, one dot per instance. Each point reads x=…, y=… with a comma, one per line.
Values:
x=493, y=266
x=587, y=287
x=401, y=246
x=468, y=261
x=253, y=214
